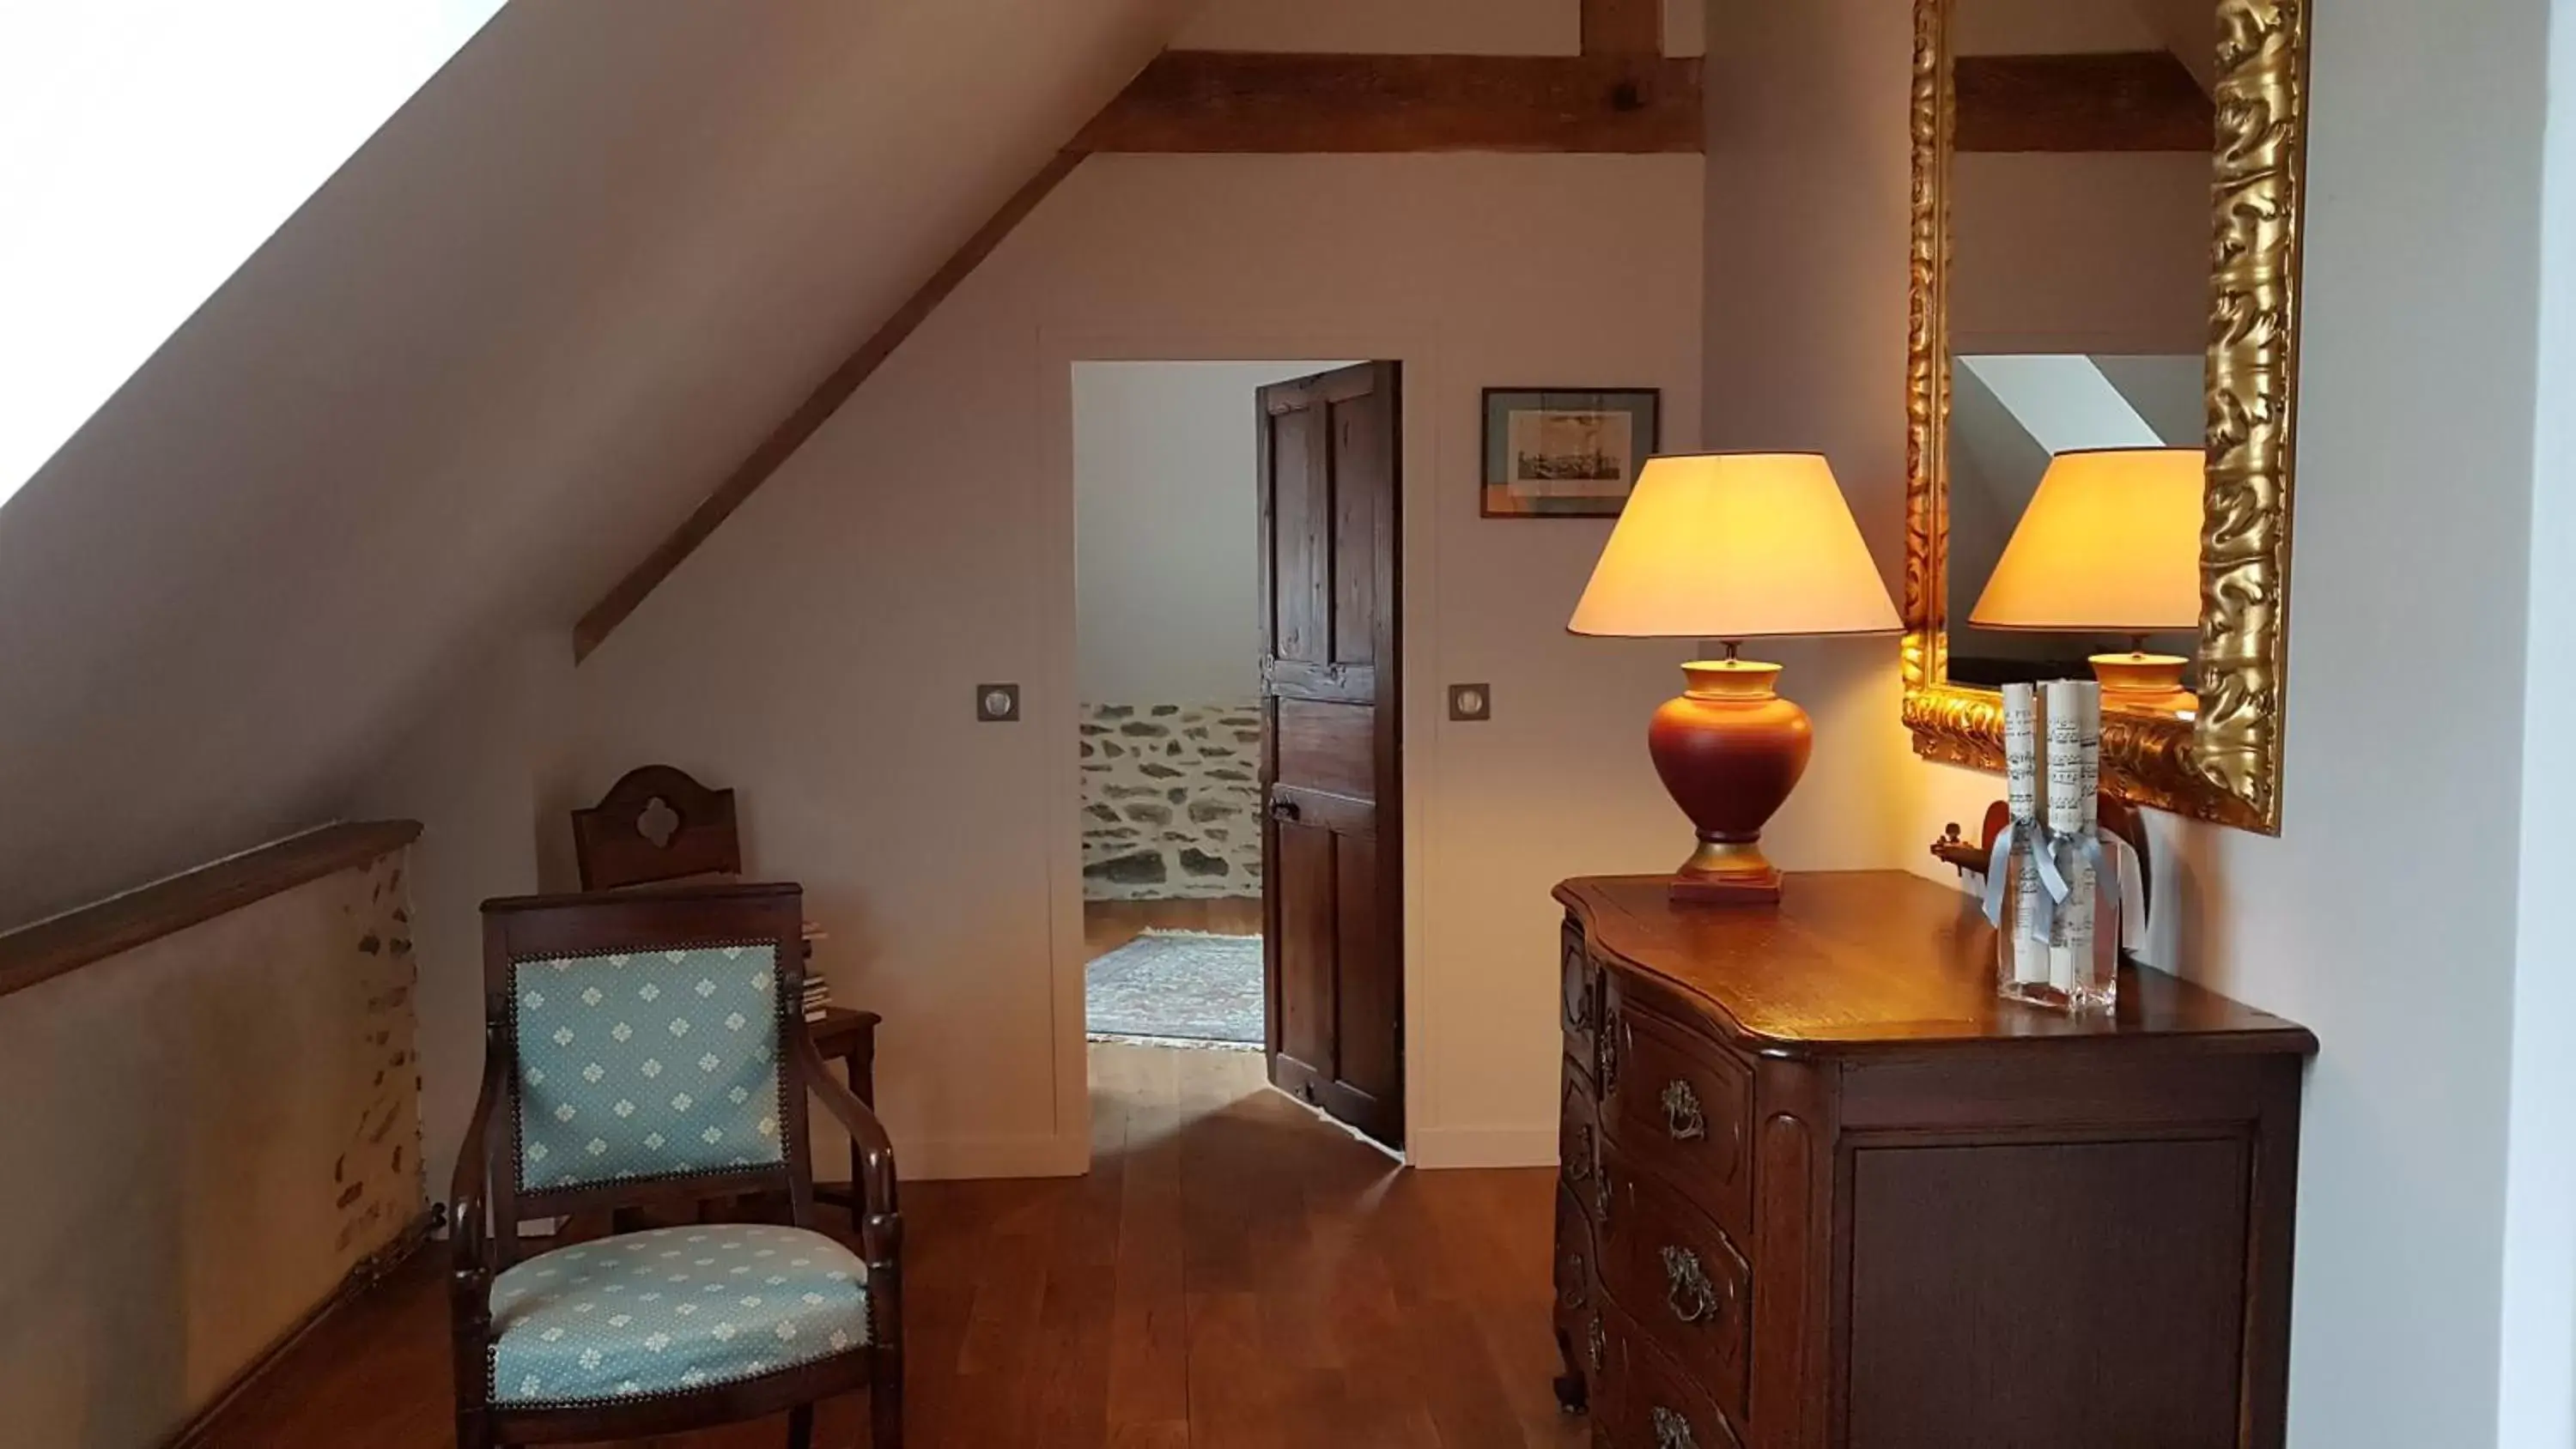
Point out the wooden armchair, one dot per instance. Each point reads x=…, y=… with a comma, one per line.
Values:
x=645, y=1050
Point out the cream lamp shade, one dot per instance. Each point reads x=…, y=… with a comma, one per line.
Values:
x=2110, y=542
x=1735, y=546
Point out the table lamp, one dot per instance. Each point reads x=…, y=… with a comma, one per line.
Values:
x=2110, y=544
x=1729, y=547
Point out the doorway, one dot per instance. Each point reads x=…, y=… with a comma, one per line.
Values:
x=1237, y=595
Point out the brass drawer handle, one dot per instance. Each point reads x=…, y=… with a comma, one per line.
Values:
x=1687, y=1291
x=1672, y=1431
x=1600, y=1344
x=1608, y=1052
x=1682, y=1117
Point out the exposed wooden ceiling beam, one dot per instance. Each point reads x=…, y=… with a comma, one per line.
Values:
x=2131, y=101
x=1222, y=101
x=1623, y=27
x=810, y=415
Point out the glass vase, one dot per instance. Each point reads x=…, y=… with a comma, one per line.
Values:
x=2059, y=955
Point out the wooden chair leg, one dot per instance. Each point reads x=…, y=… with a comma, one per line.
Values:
x=885, y=1398
x=473, y=1433
x=800, y=1427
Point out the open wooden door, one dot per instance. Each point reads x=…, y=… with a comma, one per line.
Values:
x=1332, y=845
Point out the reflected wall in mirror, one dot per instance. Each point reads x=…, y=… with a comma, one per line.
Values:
x=2104, y=276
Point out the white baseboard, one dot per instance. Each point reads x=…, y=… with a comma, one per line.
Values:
x=1452, y=1147
x=935, y=1159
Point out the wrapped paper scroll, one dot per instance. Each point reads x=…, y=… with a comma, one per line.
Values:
x=2051, y=891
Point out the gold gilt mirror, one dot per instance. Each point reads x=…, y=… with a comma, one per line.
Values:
x=2102, y=372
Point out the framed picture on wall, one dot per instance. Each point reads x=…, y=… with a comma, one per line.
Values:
x=1566, y=452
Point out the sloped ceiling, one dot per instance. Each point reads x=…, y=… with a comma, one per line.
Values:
x=505, y=349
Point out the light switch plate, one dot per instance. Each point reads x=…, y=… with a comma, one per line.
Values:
x=1471, y=703
x=997, y=704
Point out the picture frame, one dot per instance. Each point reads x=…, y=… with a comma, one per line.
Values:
x=1566, y=452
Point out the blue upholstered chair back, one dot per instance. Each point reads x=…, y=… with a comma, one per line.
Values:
x=647, y=1064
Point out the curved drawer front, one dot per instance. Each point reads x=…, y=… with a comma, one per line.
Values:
x=1680, y=1279
x=1579, y=1146
x=1649, y=1402
x=1680, y=1104
x=1578, y=995
x=1575, y=1269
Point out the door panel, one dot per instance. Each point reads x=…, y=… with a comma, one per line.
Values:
x=1328, y=746
x=1300, y=564
x=1301, y=881
x=1358, y=520
x=1372, y=976
x=1331, y=763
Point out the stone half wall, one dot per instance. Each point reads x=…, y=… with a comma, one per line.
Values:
x=1171, y=801
x=208, y=1136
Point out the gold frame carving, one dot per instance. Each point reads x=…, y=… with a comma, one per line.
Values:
x=2226, y=765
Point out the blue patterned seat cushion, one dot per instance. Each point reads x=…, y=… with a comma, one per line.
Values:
x=647, y=1064
x=672, y=1309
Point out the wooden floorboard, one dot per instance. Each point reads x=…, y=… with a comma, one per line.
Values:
x=1234, y=1274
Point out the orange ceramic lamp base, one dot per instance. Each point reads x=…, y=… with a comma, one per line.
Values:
x=1730, y=750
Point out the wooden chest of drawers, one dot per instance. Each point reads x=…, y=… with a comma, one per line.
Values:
x=1819, y=1187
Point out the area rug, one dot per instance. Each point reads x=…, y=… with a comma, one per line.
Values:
x=1177, y=988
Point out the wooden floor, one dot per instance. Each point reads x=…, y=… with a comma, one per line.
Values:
x=1108, y=925
x=1234, y=1274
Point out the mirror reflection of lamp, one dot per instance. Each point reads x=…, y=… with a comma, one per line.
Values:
x=2110, y=544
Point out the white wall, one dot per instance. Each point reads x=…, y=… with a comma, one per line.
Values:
x=1808, y=179
x=470, y=770
x=832, y=632
x=504, y=350
x=2537, y=1399
x=2080, y=252
x=1167, y=519
x=2385, y=915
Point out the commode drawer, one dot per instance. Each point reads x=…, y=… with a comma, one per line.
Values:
x=1648, y=1401
x=1679, y=1105
x=1680, y=1278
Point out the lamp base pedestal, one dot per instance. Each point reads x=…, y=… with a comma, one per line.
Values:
x=1727, y=873
x=2143, y=681
x=1729, y=750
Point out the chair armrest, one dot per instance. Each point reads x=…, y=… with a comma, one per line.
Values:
x=873, y=1151
x=466, y=1211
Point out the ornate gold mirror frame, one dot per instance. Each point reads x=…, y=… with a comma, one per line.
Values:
x=2226, y=764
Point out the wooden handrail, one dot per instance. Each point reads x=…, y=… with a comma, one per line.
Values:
x=49, y=948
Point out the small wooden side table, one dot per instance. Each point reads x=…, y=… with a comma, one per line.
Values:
x=850, y=1036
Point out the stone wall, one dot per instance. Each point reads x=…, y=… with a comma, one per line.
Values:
x=207, y=1136
x=1171, y=800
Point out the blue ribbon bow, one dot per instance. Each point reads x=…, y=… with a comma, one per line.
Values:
x=2046, y=846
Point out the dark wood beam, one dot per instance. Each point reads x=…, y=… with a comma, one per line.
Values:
x=2131, y=101
x=1623, y=27
x=810, y=415
x=1223, y=101
x=48, y=948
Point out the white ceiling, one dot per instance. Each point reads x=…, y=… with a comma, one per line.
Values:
x=505, y=349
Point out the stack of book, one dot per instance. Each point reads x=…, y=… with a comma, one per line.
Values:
x=818, y=996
